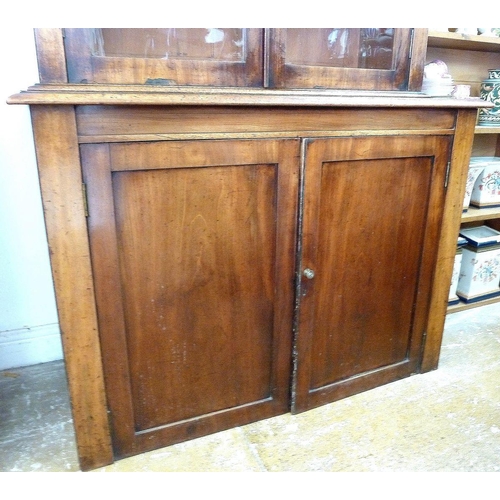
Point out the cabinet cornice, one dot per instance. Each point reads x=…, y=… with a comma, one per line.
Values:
x=229, y=96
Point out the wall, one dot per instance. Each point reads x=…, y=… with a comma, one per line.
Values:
x=29, y=331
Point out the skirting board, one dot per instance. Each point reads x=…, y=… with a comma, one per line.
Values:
x=30, y=346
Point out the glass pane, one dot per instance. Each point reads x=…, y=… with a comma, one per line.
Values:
x=219, y=44
x=370, y=48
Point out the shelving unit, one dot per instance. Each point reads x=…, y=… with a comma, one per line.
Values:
x=480, y=214
x=450, y=40
x=468, y=58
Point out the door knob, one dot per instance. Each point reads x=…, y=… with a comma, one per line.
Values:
x=308, y=273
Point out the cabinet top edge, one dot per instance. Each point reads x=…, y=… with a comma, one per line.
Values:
x=84, y=94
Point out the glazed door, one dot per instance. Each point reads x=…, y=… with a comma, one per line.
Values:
x=346, y=58
x=193, y=259
x=371, y=216
x=165, y=56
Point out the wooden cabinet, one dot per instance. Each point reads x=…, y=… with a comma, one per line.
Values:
x=222, y=255
x=468, y=58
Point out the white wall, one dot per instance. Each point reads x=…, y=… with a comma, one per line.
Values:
x=29, y=331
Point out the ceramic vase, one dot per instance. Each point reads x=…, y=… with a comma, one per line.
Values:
x=490, y=91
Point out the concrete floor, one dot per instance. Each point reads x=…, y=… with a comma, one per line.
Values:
x=444, y=421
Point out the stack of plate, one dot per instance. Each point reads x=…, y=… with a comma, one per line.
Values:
x=438, y=86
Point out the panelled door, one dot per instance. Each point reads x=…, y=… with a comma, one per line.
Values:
x=372, y=208
x=193, y=253
x=346, y=58
x=165, y=56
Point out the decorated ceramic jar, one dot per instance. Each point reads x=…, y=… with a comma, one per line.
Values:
x=486, y=190
x=490, y=91
x=476, y=166
x=479, y=273
x=480, y=267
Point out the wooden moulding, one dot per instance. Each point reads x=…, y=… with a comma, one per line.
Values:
x=80, y=94
x=61, y=185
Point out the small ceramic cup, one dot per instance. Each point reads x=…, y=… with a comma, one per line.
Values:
x=461, y=91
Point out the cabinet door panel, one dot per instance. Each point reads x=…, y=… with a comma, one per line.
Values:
x=165, y=56
x=372, y=208
x=193, y=261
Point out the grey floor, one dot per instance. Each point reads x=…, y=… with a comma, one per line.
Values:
x=447, y=420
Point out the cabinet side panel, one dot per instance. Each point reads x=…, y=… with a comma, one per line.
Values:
x=460, y=157
x=61, y=184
